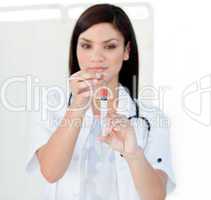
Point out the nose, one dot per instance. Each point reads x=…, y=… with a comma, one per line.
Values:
x=97, y=56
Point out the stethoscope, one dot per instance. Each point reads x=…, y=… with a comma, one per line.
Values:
x=131, y=117
x=146, y=121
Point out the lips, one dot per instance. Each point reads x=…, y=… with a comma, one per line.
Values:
x=97, y=68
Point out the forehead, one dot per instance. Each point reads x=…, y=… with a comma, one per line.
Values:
x=101, y=32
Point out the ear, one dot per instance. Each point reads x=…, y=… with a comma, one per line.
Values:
x=127, y=51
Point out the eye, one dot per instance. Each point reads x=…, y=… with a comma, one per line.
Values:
x=112, y=46
x=85, y=46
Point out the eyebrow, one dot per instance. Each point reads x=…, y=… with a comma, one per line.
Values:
x=87, y=40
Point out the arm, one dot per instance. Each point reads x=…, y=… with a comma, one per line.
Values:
x=149, y=182
x=54, y=157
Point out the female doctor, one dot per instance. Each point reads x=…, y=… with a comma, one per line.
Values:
x=103, y=52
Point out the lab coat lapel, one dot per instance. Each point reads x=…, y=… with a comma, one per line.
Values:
x=85, y=129
x=126, y=106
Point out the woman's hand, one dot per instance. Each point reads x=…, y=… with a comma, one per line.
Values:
x=83, y=84
x=121, y=135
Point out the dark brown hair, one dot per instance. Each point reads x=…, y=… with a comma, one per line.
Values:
x=100, y=13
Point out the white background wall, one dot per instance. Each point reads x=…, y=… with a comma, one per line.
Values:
x=181, y=58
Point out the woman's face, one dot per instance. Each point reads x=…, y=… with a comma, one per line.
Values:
x=101, y=48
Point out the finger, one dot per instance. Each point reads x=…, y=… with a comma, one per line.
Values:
x=82, y=75
x=120, y=118
x=117, y=121
x=91, y=75
x=108, y=127
x=106, y=139
x=85, y=84
x=118, y=135
x=116, y=127
x=115, y=118
x=119, y=125
x=85, y=93
x=89, y=85
x=110, y=124
x=111, y=113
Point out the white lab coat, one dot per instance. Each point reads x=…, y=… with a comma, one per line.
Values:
x=158, y=151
